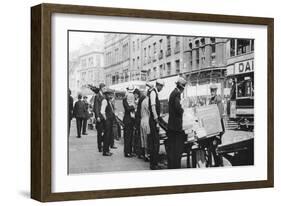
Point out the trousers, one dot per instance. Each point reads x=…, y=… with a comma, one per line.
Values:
x=79, y=125
x=154, y=143
x=175, y=145
x=100, y=133
x=107, y=134
x=128, y=137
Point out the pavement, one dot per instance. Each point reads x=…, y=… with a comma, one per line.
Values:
x=85, y=158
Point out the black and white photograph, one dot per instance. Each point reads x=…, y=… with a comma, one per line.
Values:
x=140, y=101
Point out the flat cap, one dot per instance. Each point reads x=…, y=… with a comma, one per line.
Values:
x=101, y=85
x=181, y=82
x=213, y=86
x=108, y=91
x=160, y=81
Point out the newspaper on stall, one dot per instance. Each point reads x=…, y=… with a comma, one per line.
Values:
x=202, y=121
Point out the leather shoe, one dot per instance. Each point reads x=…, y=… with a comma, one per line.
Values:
x=107, y=154
x=154, y=167
x=128, y=155
x=85, y=133
x=114, y=147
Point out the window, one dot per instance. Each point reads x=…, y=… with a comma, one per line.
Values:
x=138, y=62
x=177, y=66
x=213, y=46
x=252, y=45
x=83, y=63
x=197, y=43
x=144, y=51
x=203, y=50
x=154, y=47
x=213, y=60
x=126, y=73
x=133, y=46
x=160, y=43
x=125, y=51
x=91, y=61
x=98, y=60
x=154, y=52
x=202, y=41
x=154, y=73
x=245, y=88
x=243, y=46
x=138, y=44
x=177, y=47
x=190, y=45
x=83, y=77
x=168, y=68
x=149, y=73
x=232, y=47
x=90, y=76
x=197, y=56
x=117, y=55
x=168, y=42
x=161, y=70
x=134, y=63
x=203, y=60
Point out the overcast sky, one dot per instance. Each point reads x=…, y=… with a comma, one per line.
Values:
x=77, y=39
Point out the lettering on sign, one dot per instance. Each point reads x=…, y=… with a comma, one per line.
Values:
x=244, y=67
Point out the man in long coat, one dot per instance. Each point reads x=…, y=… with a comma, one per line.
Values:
x=175, y=133
x=79, y=113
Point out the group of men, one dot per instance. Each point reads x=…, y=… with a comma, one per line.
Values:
x=175, y=133
x=103, y=109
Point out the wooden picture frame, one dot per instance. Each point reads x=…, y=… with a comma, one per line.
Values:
x=41, y=97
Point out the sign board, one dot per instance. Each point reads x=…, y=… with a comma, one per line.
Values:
x=244, y=67
x=210, y=120
x=240, y=68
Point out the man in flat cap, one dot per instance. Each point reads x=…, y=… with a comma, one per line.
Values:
x=154, y=108
x=176, y=135
x=79, y=113
x=99, y=118
x=216, y=99
x=107, y=111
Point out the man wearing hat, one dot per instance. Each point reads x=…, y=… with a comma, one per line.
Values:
x=128, y=120
x=175, y=133
x=99, y=118
x=107, y=111
x=79, y=113
x=86, y=116
x=216, y=99
x=154, y=108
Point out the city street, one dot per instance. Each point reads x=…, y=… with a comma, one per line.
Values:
x=85, y=158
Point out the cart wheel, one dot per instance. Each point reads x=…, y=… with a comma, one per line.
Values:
x=226, y=162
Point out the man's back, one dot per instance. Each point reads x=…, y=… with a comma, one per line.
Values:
x=175, y=111
x=79, y=109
